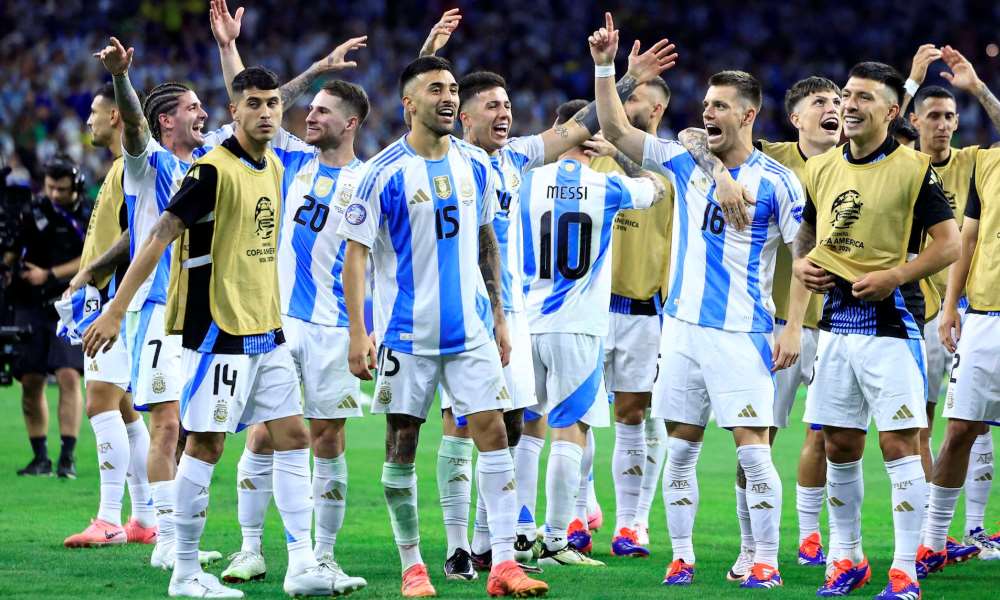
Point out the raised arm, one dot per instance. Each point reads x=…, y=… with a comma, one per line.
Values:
x=441, y=32
x=116, y=59
x=334, y=61
x=963, y=76
x=361, y=352
x=225, y=30
x=926, y=54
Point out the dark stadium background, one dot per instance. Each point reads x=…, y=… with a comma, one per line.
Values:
x=48, y=73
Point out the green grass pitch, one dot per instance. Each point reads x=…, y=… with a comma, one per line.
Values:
x=36, y=514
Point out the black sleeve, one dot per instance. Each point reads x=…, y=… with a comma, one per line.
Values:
x=973, y=206
x=809, y=212
x=932, y=205
x=196, y=196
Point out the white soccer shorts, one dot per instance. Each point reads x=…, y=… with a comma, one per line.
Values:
x=473, y=379
x=787, y=381
x=156, y=371
x=938, y=359
x=631, y=349
x=974, y=390
x=859, y=377
x=113, y=366
x=329, y=389
x=569, y=379
x=228, y=392
x=704, y=370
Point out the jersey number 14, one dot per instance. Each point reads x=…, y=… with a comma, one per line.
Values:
x=581, y=264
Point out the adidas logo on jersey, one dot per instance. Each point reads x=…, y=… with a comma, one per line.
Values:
x=903, y=506
x=747, y=413
x=419, y=197
x=333, y=494
x=246, y=484
x=682, y=502
x=984, y=477
x=348, y=402
x=903, y=413
x=765, y=505
x=107, y=466
x=459, y=477
x=633, y=470
x=834, y=501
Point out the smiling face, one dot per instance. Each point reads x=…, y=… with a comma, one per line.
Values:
x=487, y=118
x=724, y=115
x=186, y=122
x=327, y=122
x=817, y=118
x=869, y=107
x=258, y=113
x=431, y=100
x=936, y=119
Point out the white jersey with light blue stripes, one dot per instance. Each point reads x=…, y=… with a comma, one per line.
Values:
x=568, y=210
x=310, y=252
x=421, y=219
x=721, y=277
x=151, y=178
x=512, y=161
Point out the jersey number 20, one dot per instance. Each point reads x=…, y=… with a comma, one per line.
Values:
x=581, y=264
x=316, y=221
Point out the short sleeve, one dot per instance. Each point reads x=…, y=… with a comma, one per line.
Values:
x=215, y=138
x=791, y=204
x=527, y=152
x=195, y=199
x=291, y=151
x=658, y=155
x=139, y=167
x=633, y=192
x=363, y=214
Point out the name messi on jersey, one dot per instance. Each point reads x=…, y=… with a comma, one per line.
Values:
x=566, y=192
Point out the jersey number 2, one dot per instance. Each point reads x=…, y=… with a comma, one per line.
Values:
x=581, y=265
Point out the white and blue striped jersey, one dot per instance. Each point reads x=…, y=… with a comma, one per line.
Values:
x=568, y=210
x=721, y=277
x=310, y=252
x=421, y=219
x=512, y=161
x=151, y=178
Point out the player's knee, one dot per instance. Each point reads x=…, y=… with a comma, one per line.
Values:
x=102, y=397
x=32, y=388
x=962, y=433
x=844, y=445
x=205, y=446
x=630, y=408
x=68, y=381
x=899, y=444
x=402, y=435
x=514, y=423
x=327, y=437
x=258, y=440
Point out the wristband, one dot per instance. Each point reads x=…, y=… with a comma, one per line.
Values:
x=911, y=87
x=604, y=71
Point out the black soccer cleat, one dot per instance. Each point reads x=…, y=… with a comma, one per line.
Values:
x=38, y=467
x=66, y=468
x=459, y=567
x=483, y=562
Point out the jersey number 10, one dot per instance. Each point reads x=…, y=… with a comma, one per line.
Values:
x=581, y=264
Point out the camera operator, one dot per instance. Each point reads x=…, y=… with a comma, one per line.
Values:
x=45, y=257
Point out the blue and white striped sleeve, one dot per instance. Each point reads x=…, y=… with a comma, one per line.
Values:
x=363, y=214
x=633, y=192
x=528, y=152
x=790, y=200
x=658, y=156
x=291, y=151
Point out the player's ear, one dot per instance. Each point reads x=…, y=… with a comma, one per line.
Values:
x=233, y=112
x=352, y=123
x=913, y=118
x=794, y=120
x=893, y=113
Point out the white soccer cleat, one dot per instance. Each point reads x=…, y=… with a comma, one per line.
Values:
x=741, y=568
x=314, y=581
x=641, y=533
x=988, y=549
x=200, y=585
x=567, y=556
x=343, y=583
x=244, y=567
x=163, y=556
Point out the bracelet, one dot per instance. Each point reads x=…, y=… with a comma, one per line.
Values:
x=911, y=87
x=604, y=70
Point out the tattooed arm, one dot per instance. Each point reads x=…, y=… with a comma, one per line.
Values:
x=334, y=61
x=117, y=61
x=489, y=266
x=104, y=264
x=815, y=279
x=563, y=137
x=732, y=197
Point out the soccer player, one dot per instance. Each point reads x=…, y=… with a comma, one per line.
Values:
x=224, y=302
x=719, y=305
x=119, y=432
x=868, y=206
x=424, y=208
x=568, y=211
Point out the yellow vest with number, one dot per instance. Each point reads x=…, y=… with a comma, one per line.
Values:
x=243, y=293
x=983, y=285
x=103, y=229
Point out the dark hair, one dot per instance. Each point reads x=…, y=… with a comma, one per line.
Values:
x=60, y=166
x=422, y=65
x=658, y=83
x=882, y=73
x=258, y=78
x=804, y=88
x=903, y=128
x=478, y=81
x=567, y=109
x=931, y=91
x=351, y=95
x=746, y=85
x=161, y=100
x=107, y=91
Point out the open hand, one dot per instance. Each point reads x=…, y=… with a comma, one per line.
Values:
x=335, y=61
x=926, y=54
x=225, y=27
x=648, y=65
x=441, y=32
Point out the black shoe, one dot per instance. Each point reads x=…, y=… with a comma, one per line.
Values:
x=483, y=562
x=37, y=467
x=459, y=567
x=66, y=468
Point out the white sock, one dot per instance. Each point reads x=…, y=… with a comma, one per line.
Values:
x=399, y=484
x=112, y=460
x=656, y=452
x=680, y=495
x=628, y=461
x=497, y=487
x=293, y=497
x=481, y=543
x=743, y=518
x=592, y=503
x=254, y=485
x=940, y=512
x=191, y=506
x=526, y=458
x=808, y=504
x=583, y=502
x=845, y=491
x=909, y=488
x=454, y=482
x=330, y=499
x=164, y=497
x=978, y=481
x=562, y=484
x=136, y=478
x=764, y=500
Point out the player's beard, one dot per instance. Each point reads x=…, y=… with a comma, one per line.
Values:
x=436, y=126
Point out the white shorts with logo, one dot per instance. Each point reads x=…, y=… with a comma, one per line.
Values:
x=519, y=374
x=228, y=392
x=473, y=379
x=569, y=379
x=974, y=391
x=938, y=360
x=705, y=370
x=156, y=372
x=329, y=389
x=859, y=377
x=113, y=366
x=787, y=381
x=631, y=349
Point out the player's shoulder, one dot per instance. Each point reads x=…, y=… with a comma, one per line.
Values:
x=830, y=158
x=916, y=157
x=470, y=151
x=987, y=162
x=383, y=165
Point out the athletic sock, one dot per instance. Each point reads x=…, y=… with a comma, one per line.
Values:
x=743, y=518
x=562, y=484
x=137, y=478
x=68, y=446
x=330, y=499
x=293, y=497
x=680, y=495
x=164, y=497
x=112, y=460
x=592, y=503
x=909, y=488
x=583, y=501
x=845, y=491
x=497, y=488
x=254, y=486
x=399, y=482
x=454, y=482
x=940, y=512
x=656, y=452
x=978, y=481
x=480, y=526
x=763, y=495
x=526, y=457
x=39, y=447
x=808, y=504
x=191, y=486
x=627, y=463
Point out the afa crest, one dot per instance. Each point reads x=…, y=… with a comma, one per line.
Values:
x=442, y=187
x=346, y=191
x=466, y=191
x=159, y=383
x=221, y=412
x=384, y=395
x=322, y=186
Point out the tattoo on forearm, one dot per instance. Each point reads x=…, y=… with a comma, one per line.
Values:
x=631, y=168
x=168, y=227
x=561, y=131
x=293, y=90
x=805, y=239
x=136, y=129
x=625, y=86
x=661, y=190
x=695, y=141
x=489, y=265
x=114, y=256
x=992, y=106
x=586, y=117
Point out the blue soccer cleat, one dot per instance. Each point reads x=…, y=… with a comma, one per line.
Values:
x=626, y=544
x=844, y=578
x=958, y=552
x=811, y=551
x=762, y=576
x=679, y=573
x=929, y=561
x=578, y=537
x=900, y=587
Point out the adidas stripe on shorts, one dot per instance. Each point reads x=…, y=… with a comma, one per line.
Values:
x=329, y=389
